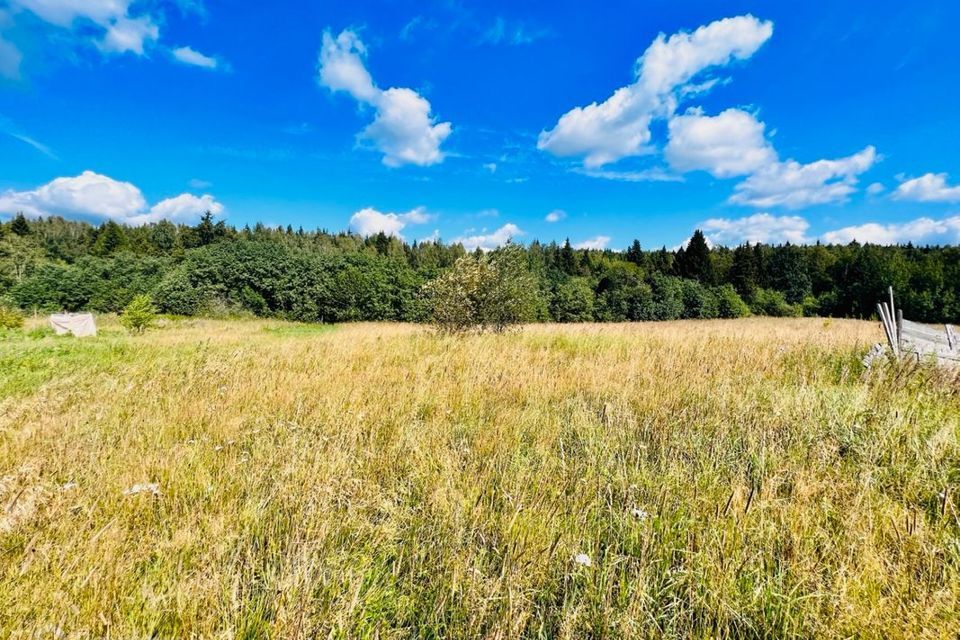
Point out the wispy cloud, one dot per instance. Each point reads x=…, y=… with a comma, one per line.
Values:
x=39, y=146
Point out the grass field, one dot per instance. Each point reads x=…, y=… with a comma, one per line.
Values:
x=692, y=479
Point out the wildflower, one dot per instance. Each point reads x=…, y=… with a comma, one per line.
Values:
x=639, y=514
x=583, y=560
x=146, y=487
x=68, y=486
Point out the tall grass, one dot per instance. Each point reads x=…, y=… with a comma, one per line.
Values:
x=723, y=479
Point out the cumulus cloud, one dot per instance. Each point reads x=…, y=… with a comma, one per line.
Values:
x=918, y=231
x=620, y=126
x=794, y=185
x=94, y=195
x=182, y=208
x=930, y=187
x=120, y=31
x=489, y=241
x=759, y=227
x=556, y=215
x=597, y=242
x=726, y=145
x=403, y=128
x=190, y=56
x=369, y=221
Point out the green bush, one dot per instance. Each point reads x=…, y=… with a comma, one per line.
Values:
x=139, y=315
x=573, y=301
x=483, y=292
x=768, y=302
x=10, y=318
x=729, y=302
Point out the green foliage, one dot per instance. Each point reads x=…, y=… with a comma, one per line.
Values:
x=573, y=301
x=10, y=317
x=483, y=292
x=139, y=314
x=768, y=302
x=53, y=264
x=729, y=302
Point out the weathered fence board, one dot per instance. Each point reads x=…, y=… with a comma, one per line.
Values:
x=918, y=340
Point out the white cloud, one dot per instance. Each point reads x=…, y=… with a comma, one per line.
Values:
x=129, y=34
x=491, y=167
x=654, y=174
x=598, y=242
x=190, y=56
x=794, y=185
x=556, y=215
x=403, y=128
x=94, y=195
x=930, y=187
x=759, y=227
x=500, y=32
x=121, y=31
x=875, y=188
x=489, y=241
x=726, y=145
x=182, y=208
x=920, y=231
x=620, y=126
x=369, y=221
x=39, y=146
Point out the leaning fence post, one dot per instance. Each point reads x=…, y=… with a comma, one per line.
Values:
x=899, y=330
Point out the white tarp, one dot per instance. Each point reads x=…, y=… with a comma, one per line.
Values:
x=79, y=324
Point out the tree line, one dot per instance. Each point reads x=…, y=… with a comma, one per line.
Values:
x=212, y=268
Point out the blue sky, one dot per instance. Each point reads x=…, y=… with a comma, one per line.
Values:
x=769, y=121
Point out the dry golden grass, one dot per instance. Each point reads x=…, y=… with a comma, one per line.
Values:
x=725, y=479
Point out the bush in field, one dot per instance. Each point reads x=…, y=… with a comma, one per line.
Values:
x=483, y=292
x=769, y=302
x=573, y=301
x=10, y=317
x=139, y=315
x=729, y=302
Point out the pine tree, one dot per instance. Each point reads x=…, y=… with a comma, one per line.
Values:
x=743, y=273
x=206, y=233
x=20, y=226
x=568, y=259
x=635, y=254
x=696, y=263
x=110, y=239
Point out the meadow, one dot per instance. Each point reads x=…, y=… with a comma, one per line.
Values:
x=254, y=479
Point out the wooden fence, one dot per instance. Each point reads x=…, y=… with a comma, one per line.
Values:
x=920, y=341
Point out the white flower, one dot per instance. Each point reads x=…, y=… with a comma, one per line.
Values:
x=146, y=487
x=68, y=486
x=583, y=560
x=639, y=514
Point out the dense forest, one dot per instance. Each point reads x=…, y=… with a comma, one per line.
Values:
x=212, y=268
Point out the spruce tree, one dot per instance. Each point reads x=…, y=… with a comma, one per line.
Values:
x=20, y=226
x=696, y=263
x=635, y=254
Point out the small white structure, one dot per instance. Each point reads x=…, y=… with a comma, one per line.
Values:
x=79, y=324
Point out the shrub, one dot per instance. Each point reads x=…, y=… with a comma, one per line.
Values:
x=139, y=315
x=483, y=292
x=729, y=303
x=573, y=301
x=10, y=317
x=768, y=302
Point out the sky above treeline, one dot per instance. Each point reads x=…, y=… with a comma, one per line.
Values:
x=478, y=122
